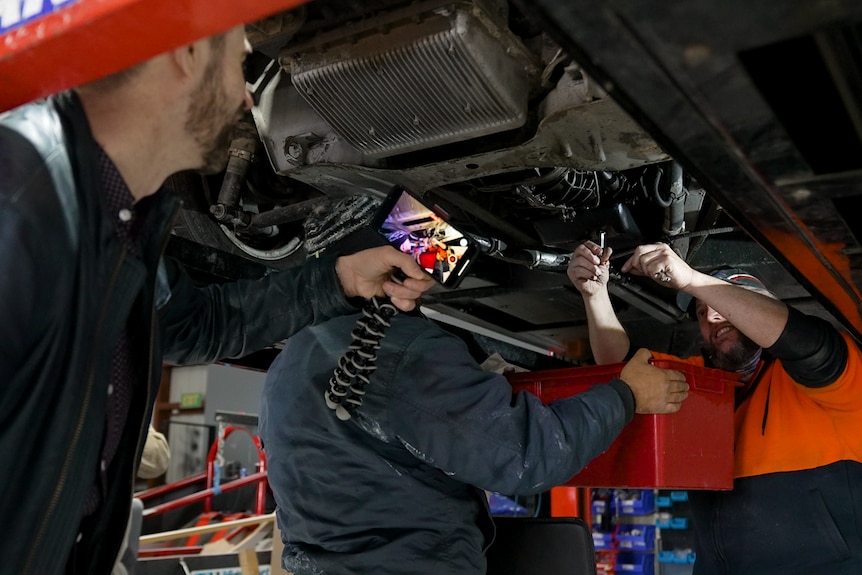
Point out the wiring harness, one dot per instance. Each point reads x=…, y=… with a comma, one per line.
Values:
x=349, y=379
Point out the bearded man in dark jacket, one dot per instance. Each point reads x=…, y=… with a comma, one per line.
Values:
x=89, y=308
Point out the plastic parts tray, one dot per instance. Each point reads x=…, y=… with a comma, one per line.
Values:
x=690, y=449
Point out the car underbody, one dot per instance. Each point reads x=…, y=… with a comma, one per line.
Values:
x=731, y=131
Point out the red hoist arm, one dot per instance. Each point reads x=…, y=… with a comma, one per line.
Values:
x=47, y=46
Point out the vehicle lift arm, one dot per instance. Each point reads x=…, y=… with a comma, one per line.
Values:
x=47, y=46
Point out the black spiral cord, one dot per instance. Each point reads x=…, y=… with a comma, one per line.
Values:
x=348, y=381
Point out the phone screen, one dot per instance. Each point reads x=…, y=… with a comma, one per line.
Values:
x=414, y=228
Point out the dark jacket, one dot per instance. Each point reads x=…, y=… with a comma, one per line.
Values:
x=67, y=289
x=397, y=488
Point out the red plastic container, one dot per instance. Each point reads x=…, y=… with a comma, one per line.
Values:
x=689, y=449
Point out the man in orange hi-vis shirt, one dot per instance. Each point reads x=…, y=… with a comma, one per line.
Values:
x=796, y=502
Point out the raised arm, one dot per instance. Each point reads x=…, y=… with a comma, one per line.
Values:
x=760, y=317
x=205, y=324
x=589, y=272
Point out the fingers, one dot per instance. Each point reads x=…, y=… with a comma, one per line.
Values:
x=404, y=295
x=392, y=258
x=655, y=390
x=590, y=248
x=600, y=255
x=589, y=262
x=676, y=393
x=656, y=261
x=657, y=264
x=581, y=270
x=585, y=255
x=403, y=304
x=639, y=260
x=369, y=273
x=642, y=355
x=606, y=255
x=413, y=281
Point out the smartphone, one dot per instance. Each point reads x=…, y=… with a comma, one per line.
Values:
x=415, y=228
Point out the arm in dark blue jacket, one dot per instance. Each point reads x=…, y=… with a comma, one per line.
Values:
x=202, y=324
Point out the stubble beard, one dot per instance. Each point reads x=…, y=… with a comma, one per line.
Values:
x=211, y=122
x=737, y=357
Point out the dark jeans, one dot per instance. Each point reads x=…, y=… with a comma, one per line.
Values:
x=803, y=522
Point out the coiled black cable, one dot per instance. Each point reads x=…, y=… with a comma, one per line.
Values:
x=349, y=379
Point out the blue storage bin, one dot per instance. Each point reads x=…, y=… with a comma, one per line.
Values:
x=604, y=501
x=603, y=541
x=664, y=521
x=680, y=556
x=663, y=501
x=635, y=563
x=637, y=502
x=601, y=506
x=679, y=523
x=679, y=495
x=636, y=537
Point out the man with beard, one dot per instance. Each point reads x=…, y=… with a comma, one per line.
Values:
x=90, y=308
x=796, y=502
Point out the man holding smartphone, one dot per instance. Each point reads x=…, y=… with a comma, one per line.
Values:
x=381, y=432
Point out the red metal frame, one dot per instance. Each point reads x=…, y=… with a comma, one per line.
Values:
x=160, y=490
x=88, y=39
x=206, y=495
x=260, y=498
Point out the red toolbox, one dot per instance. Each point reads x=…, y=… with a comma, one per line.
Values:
x=689, y=449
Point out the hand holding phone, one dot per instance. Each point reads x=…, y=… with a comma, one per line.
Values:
x=409, y=225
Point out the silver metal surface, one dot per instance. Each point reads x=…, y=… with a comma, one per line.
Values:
x=443, y=79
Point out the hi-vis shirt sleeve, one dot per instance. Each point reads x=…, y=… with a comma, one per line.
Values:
x=784, y=426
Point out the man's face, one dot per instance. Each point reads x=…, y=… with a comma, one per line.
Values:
x=728, y=348
x=219, y=101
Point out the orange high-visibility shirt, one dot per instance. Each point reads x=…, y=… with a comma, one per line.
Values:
x=805, y=427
